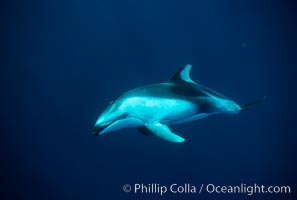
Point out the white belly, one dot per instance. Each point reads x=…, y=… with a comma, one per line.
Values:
x=159, y=109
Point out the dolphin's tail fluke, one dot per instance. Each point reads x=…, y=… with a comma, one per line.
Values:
x=252, y=104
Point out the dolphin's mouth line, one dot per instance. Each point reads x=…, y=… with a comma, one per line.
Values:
x=99, y=128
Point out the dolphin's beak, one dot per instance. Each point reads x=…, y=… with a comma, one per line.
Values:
x=99, y=128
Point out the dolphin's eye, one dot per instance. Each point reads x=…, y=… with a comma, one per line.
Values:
x=124, y=115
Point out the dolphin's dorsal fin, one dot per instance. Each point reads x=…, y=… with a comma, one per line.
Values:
x=182, y=75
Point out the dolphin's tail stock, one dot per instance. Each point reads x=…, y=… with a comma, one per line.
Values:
x=252, y=104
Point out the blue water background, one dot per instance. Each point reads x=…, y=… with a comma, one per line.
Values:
x=63, y=61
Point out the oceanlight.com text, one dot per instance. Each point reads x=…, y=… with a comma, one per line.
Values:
x=188, y=188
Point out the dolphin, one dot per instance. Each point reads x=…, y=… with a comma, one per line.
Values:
x=152, y=108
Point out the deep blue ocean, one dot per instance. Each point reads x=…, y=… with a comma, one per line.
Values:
x=63, y=61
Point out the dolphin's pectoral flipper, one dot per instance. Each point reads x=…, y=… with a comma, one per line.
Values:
x=162, y=131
